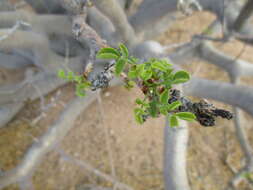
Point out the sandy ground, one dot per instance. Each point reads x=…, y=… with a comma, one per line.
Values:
x=136, y=150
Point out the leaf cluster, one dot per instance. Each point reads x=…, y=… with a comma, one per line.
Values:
x=154, y=77
x=81, y=84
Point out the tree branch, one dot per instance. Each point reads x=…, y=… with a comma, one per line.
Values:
x=239, y=96
x=47, y=6
x=235, y=67
x=244, y=15
x=45, y=144
x=112, y=9
x=175, y=150
x=151, y=12
x=45, y=81
x=90, y=168
x=102, y=25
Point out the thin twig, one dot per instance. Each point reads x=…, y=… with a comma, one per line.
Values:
x=107, y=138
x=90, y=168
x=14, y=28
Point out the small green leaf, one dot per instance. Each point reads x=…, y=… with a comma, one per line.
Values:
x=80, y=92
x=119, y=67
x=247, y=175
x=83, y=85
x=166, y=63
x=132, y=74
x=107, y=56
x=61, y=74
x=138, y=101
x=181, y=77
x=132, y=60
x=139, y=118
x=78, y=79
x=158, y=65
x=164, y=97
x=146, y=74
x=138, y=111
x=123, y=50
x=173, y=121
x=138, y=114
x=153, y=109
x=129, y=85
x=109, y=50
x=164, y=110
x=188, y=116
x=70, y=75
x=140, y=68
x=174, y=105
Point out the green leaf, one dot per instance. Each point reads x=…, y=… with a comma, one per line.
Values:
x=159, y=65
x=120, y=65
x=247, y=175
x=133, y=60
x=109, y=50
x=80, y=91
x=107, y=56
x=138, y=101
x=70, y=75
x=188, y=116
x=173, y=121
x=174, y=105
x=153, y=109
x=138, y=113
x=123, y=50
x=163, y=110
x=132, y=74
x=146, y=74
x=129, y=85
x=83, y=85
x=181, y=77
x=139, y=118
x=61, y=74
x=166, y=63
x=164, y=97
x=78, y=79
x=140, y=68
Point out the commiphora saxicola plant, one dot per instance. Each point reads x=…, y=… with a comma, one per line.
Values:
x=156, y=79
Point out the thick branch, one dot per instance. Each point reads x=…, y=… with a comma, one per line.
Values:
x=175, y=155
x=46, y=82
x=244, y=15
x=235, y=67
x=151, y=12
x=46, y=6
x=49, y=24
x=175, y=150
x=102, y=25
x=23, y=40
x=45, y=144
x=112, y=9
x=14, y=61
x=239, y=96
x=244, y=143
